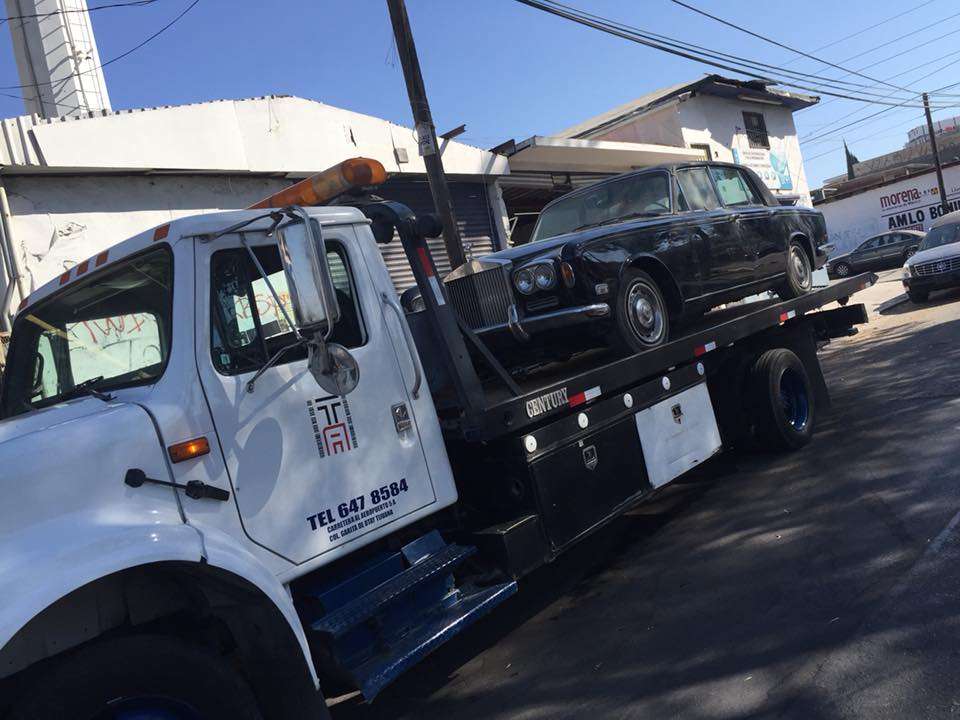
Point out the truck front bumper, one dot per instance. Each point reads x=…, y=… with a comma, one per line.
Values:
x=929, y=283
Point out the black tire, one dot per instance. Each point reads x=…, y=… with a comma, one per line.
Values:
x=640, y=299
x=842, y=270
x=165, y=675
x=783, y=402
x=918, y=296
x=799, y=273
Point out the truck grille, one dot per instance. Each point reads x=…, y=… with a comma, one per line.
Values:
x=936, y=267
x=482, y=298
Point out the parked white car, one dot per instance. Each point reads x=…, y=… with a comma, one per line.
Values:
x=936, y=264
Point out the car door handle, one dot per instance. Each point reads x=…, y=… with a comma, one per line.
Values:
x=411, y=345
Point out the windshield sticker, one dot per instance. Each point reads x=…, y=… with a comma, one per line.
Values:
x=332, y=425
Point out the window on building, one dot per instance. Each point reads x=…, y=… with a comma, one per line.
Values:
x=704, y=148
x=756, y=129
x=247, y=326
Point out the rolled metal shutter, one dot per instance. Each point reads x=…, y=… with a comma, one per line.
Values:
x=471, y=205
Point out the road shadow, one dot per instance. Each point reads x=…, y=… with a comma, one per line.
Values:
x=937, y=298
x=724, y=597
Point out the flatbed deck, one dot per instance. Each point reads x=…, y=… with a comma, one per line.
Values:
x=559, y=387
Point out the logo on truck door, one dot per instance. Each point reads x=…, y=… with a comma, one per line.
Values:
x=332, y=425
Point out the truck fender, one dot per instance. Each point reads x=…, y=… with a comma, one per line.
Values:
x=35, y=584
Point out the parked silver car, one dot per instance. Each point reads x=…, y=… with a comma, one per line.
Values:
x=936, y=264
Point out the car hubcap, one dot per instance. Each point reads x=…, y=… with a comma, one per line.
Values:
x=800, y=266
x=645, y=313
x=842, y=270
x=794, y=401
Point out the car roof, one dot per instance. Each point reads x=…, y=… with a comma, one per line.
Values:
x=948, y=219
x=665, y=167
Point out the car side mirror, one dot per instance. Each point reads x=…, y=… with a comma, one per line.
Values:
x=315, y=306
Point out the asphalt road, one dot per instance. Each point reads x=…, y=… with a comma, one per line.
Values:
x=821, y=584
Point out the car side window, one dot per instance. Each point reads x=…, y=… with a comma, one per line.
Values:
x=697, y=189
x=681, y=201
x=733, y=187
x=870, y=244
x=247, y=326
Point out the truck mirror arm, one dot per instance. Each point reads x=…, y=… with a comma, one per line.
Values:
x=299, y=342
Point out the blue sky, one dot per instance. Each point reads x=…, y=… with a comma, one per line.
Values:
x=507, y=70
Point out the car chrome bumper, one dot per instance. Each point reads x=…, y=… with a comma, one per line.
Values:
x=523, y=329
x=937, y=281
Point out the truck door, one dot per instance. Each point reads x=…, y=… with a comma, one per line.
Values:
x=312, y=473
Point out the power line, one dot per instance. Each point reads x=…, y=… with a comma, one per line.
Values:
x=638, y=36
x=866, y=29
x=777, y=43
x=130, y=3
x=112, y=60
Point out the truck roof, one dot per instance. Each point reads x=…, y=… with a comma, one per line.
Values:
x=202, y=224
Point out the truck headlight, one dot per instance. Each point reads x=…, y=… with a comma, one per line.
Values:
x=544, y=276
x=524, y=282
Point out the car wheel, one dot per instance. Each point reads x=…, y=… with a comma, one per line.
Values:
x=799, y=273
x=133, y=677
x=783, y=400
x=841, y=270
x=918, y=296
x=642, y=320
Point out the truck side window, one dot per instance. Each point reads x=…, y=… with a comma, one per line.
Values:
x=247, y=327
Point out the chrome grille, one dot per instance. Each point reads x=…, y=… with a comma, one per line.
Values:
x=482, y=298
x=935, y=267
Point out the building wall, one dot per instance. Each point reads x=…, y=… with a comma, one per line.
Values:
x=910, y=204
x=718, y=123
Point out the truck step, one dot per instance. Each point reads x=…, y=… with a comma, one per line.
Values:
x=379, y=671
x=343, y=619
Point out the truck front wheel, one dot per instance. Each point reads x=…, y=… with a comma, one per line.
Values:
x=783, y=400
x=135, y=677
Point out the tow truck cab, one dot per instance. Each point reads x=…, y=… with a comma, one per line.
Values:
x=226, y=431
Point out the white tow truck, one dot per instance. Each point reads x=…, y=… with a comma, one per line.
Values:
x=238, y=475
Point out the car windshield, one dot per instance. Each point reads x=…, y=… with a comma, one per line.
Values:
x=943, y=235
x=104, y=333
x=608, y=202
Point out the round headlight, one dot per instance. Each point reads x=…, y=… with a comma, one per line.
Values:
x=545, y=276
x=524, y=282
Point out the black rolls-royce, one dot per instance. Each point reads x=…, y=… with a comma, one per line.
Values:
x=617, y=262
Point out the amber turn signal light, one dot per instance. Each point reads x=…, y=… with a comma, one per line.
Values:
x=189, y=449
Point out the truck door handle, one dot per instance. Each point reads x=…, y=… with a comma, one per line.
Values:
x=411, y=345
x=195, y=489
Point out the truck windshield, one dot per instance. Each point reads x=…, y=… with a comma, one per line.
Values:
x=608, y=202
x=107, y=332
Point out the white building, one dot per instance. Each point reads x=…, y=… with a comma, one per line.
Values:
x=744, y=121
x=75, y=186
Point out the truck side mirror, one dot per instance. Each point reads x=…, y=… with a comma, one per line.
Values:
x=315, y=306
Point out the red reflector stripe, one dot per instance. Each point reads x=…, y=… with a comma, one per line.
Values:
x=161, y=232
x=703, y=349
x=578, y=399
x=82, y=267
x=425, y=261
x=102, y=257
x=65, y=278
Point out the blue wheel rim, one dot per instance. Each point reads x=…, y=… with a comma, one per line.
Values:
x=794, y=400
x=148, y=708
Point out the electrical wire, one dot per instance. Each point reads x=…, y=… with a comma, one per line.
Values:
x=777, y=43
x=112, y=60
x=638, y=36
x=26, y=16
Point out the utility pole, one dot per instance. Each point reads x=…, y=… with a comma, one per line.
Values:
x=426, y=132
x=944, y=207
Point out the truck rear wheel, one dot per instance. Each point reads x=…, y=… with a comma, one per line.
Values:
x=137, y=677
x=783, y=400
